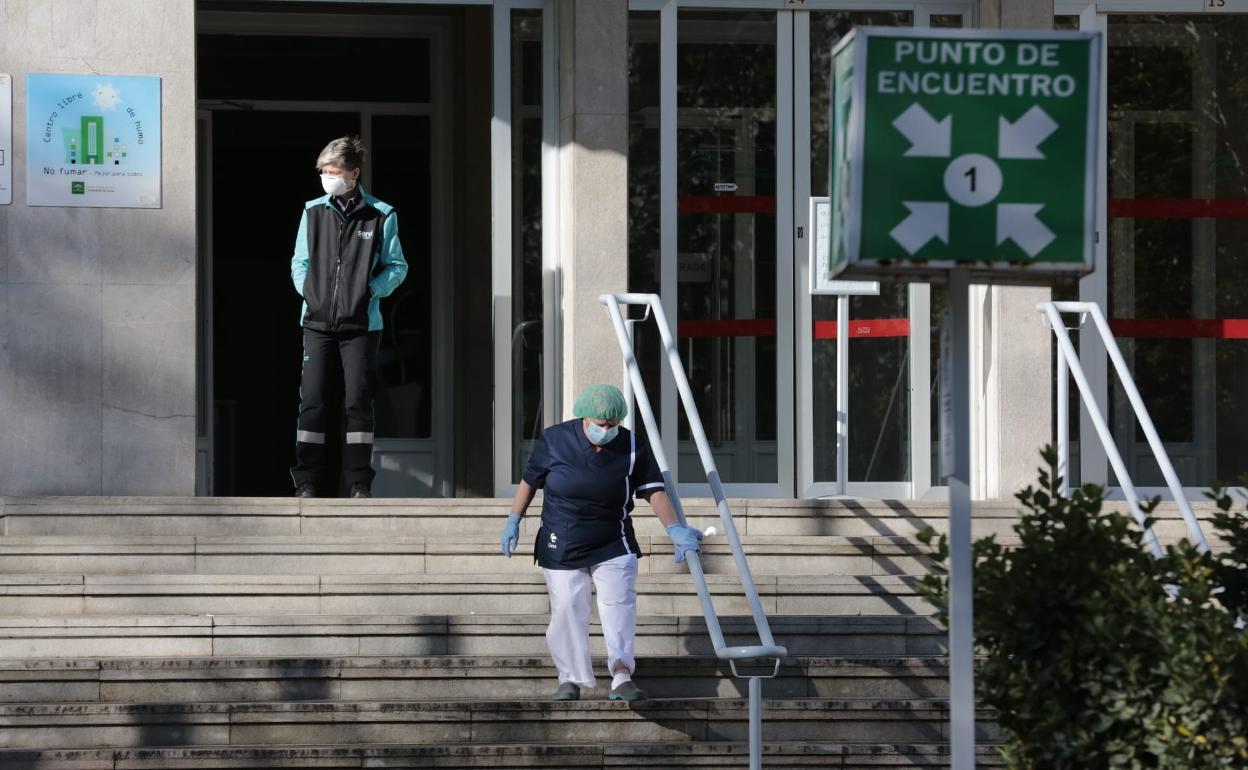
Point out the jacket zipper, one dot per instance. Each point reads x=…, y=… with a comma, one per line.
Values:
x=336, y=317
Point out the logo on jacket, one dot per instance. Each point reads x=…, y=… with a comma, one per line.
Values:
x=365, y=234
x=554, y=541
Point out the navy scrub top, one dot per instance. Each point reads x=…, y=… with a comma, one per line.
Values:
x=588, y=495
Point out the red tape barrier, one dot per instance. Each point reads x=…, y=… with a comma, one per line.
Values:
x=1181, y=328
x=878, y=327
x=1177, y=208
x=824, y=330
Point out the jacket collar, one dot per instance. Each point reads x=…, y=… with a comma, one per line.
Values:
x=361, y=200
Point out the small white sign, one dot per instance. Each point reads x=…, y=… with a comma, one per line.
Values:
x=817, y=234
x=6, y=139
x=725, y=187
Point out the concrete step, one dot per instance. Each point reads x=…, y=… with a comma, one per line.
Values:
x=440, y=555
x=152, y=636
x=657, y=594
x=234, y=517
x=205, y=680
x=594, y=722
x=652, y=756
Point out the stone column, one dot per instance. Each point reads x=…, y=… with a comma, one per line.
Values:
x=593, y=175
x=1011, y=370
x=97, y=306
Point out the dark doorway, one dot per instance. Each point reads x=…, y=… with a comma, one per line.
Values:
x=263, y=171
x=274, y=86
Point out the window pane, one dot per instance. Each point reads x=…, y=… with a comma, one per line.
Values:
x=726, y=184
x=1178, y=133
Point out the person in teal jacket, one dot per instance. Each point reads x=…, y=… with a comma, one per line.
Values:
x=347, y=258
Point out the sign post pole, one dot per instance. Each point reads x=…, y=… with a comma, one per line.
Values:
x=842, y=395
x=961, y=563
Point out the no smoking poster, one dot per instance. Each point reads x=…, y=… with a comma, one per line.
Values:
x=93, y=141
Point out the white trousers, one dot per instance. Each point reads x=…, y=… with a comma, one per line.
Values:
x=568, y=634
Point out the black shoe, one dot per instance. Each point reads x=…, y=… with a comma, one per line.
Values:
x=360, y=490
x=305, y=490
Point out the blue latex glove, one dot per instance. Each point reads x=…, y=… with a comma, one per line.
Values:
x=685, y=539
x=511, y=535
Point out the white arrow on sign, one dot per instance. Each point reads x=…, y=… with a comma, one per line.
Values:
x=1018, y=222
x=926, y=221
x=929, y=138
x=1021, y=139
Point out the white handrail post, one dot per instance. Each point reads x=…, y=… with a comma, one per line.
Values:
x=660, y=457
x=1150, y=430
x=1067, y=349
x=961, y=559
x=712, y=474
x=628, y=421
x=768, y=648
x=756, y=723
x=842, y=395
x=1063, y=423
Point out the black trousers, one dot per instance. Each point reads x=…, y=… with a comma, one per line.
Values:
x=356, y=354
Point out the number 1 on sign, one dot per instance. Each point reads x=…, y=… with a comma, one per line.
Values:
x=970, y=174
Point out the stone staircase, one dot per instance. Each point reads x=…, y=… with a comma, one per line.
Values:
x=258, y=633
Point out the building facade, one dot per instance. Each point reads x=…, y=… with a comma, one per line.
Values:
x=543, y=152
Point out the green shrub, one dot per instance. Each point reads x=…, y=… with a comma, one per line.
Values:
x=1095, y=654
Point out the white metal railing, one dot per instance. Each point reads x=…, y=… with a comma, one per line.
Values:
x=1068, y=363
x=768, y=649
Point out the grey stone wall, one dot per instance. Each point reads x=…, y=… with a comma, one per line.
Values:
x=97, y=306
x=593, y=216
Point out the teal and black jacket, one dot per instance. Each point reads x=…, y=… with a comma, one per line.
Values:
x=345, y=263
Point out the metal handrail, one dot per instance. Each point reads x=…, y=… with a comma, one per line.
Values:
x=1068, y=359
x=768, y=648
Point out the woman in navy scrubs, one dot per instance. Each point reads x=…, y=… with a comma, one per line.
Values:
x=590, y=469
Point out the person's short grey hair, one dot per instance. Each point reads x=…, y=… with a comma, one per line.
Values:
x=345, y=151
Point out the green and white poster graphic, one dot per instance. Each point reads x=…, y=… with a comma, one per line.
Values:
x=967, y=149
x=93, y=140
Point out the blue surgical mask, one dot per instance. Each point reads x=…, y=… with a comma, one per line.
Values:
x=602, y=436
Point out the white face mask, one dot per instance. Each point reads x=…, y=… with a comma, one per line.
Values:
x=334, y=185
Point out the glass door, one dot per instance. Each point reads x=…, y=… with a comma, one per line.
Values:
x=727, y=239
x=1178, y=222
x=884, y=363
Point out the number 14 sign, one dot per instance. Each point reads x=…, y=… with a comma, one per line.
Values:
x=964, y=149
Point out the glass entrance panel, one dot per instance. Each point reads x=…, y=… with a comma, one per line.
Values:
x=401, y=150
x=1178, y=187
x=879, y=392
x=527, y=343
x=726, y=188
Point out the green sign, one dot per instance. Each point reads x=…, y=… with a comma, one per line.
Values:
x=967, y=149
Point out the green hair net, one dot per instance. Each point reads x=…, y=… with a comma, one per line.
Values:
x=601, y=402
